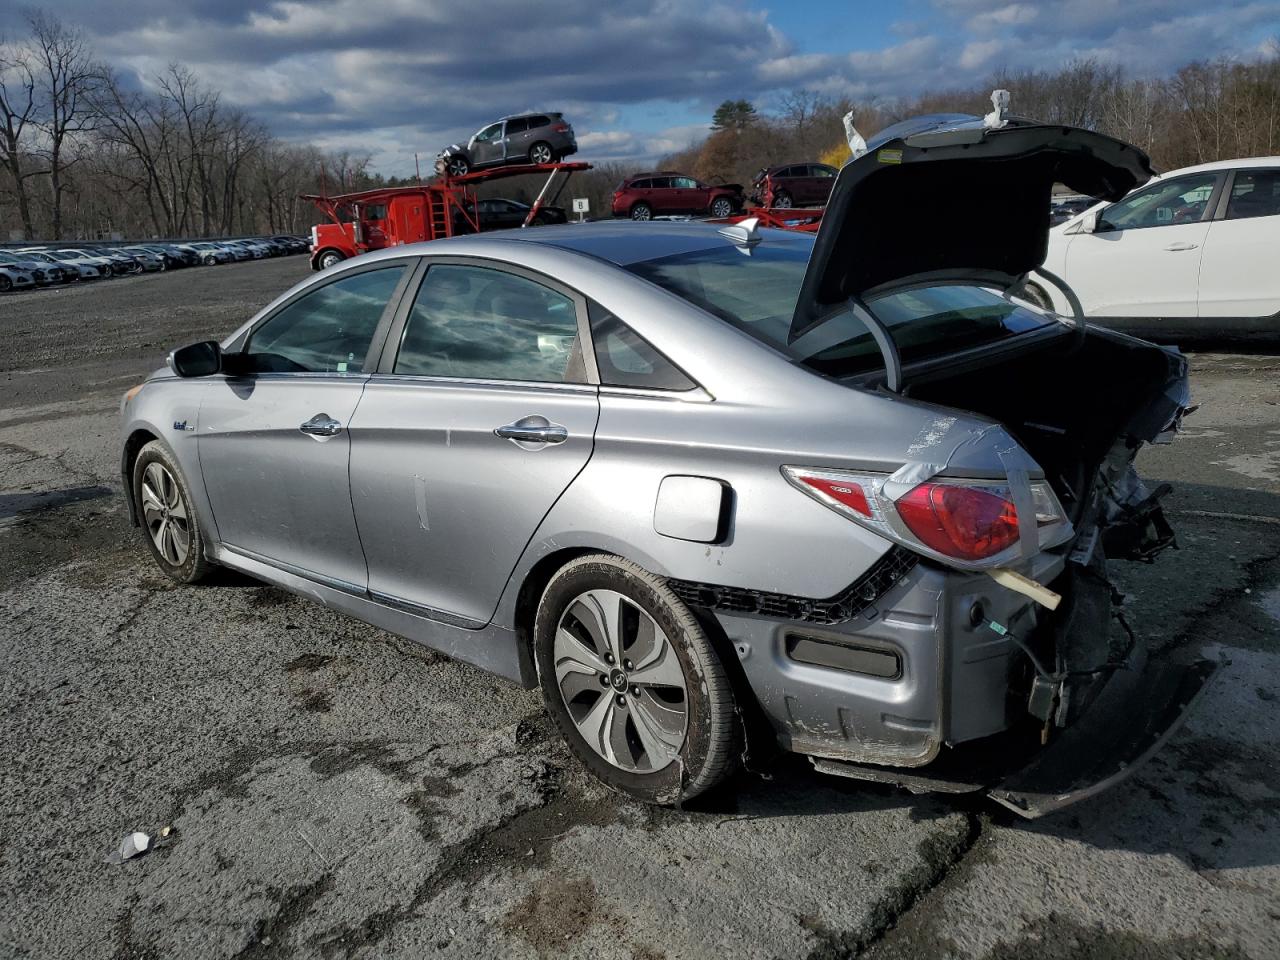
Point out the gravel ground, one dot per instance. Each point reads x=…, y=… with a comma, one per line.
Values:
x=334, y=791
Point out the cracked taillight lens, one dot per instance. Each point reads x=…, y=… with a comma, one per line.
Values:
x=969, y=523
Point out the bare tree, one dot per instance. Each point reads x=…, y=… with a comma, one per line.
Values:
x=67, y=77
x=17, y=113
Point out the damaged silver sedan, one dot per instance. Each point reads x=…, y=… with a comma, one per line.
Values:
x=707, y=484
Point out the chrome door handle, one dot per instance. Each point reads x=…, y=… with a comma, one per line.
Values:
x=321, y=425
x=533, y=430
x=1176, y=247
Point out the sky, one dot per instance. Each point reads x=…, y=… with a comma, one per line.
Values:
x=637, y=79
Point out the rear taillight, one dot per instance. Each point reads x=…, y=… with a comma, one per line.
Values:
x=560, y=128
x=968, y=523
x=958, y=521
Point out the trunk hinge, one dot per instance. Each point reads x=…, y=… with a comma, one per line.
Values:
x=889, y=349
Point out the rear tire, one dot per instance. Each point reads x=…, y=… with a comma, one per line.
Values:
x=641, y=211
x=169, y=523
x=633, y=683
x=541, y=152
x=782, y=200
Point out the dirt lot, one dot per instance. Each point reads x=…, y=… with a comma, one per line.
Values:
x=337, y=792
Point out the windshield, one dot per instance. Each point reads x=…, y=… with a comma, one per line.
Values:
x=757, y=293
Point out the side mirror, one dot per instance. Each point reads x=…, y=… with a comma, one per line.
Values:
x=1091, y=222
x=197, y=360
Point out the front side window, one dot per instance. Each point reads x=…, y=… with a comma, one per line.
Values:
x=757, y=294
x=482, y=324
x=489, y=132
x=328, y=330
x=1165, y=203
x=1255, y=193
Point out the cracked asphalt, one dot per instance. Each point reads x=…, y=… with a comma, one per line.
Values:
x=334, y=791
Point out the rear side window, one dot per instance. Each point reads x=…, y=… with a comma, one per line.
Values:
x=625, y=359
x=536, y=122
x=660, y=183
x=518, y=125
x=1255, y=193
x=327, y=330
x=480, y=324
x=641, y=184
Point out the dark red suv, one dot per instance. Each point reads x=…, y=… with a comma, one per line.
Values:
x=794, y=185
x=648, y=195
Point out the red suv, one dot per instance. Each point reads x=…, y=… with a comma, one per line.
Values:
x=648, y=195
x=795, y=185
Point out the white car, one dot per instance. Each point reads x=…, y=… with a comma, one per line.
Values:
x=13, y=278
x=1191, y=254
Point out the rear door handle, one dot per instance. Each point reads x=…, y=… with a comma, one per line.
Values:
x=1176, y=247
x=533, y=429
x=321, y=425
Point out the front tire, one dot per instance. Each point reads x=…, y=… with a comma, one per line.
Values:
x=5, y=284
x=329, y=258
x=1037, y=295
x=721, y=207
x=541, y=153
x=170, y=527
x=633, y=683
x=457, y=166
x=641, y=211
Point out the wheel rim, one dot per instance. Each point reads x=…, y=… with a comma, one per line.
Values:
x=783, y=201
x=165, y=514
x=5, y=284
x=621, y=681
x=457, y=166
x=541, y=153
x=328, y=260
x=640, y=213
x=721, y=208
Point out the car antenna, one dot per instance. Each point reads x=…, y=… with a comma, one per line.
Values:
x=745, y=232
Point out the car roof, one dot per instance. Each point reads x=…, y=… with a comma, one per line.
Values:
x=1225, y=165
x=621, y=242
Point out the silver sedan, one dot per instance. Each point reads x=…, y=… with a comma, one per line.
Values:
x=716, y=489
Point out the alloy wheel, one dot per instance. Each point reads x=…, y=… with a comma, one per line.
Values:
x=782, y=201
x=641, y=212
x=541, y=153
x=721, y=208
x=621, y=681
x=457, y=166
x=165, y=514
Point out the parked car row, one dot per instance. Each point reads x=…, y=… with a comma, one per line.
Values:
x=46, y=266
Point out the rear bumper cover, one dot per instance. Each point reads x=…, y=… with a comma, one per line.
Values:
x=1136, y=713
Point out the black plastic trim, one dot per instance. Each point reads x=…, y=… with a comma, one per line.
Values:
x=884, y=574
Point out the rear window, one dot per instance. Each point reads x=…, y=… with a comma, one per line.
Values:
x=757, y=294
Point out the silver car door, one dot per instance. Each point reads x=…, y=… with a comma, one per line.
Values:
x=468, y=434
x=274, y=441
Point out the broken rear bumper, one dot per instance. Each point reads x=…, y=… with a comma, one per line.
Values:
x=1136, y=712
x=1133, y=717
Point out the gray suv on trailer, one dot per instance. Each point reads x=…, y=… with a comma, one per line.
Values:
x=523, y=138
x=851, y=496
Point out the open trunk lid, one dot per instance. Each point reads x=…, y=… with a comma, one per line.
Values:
x=952, y=199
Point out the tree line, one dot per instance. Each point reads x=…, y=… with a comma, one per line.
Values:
x=86, y=152
x=1207, y=110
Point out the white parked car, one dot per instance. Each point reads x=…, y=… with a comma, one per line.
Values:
x=1191, y=254
x=13, y=278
